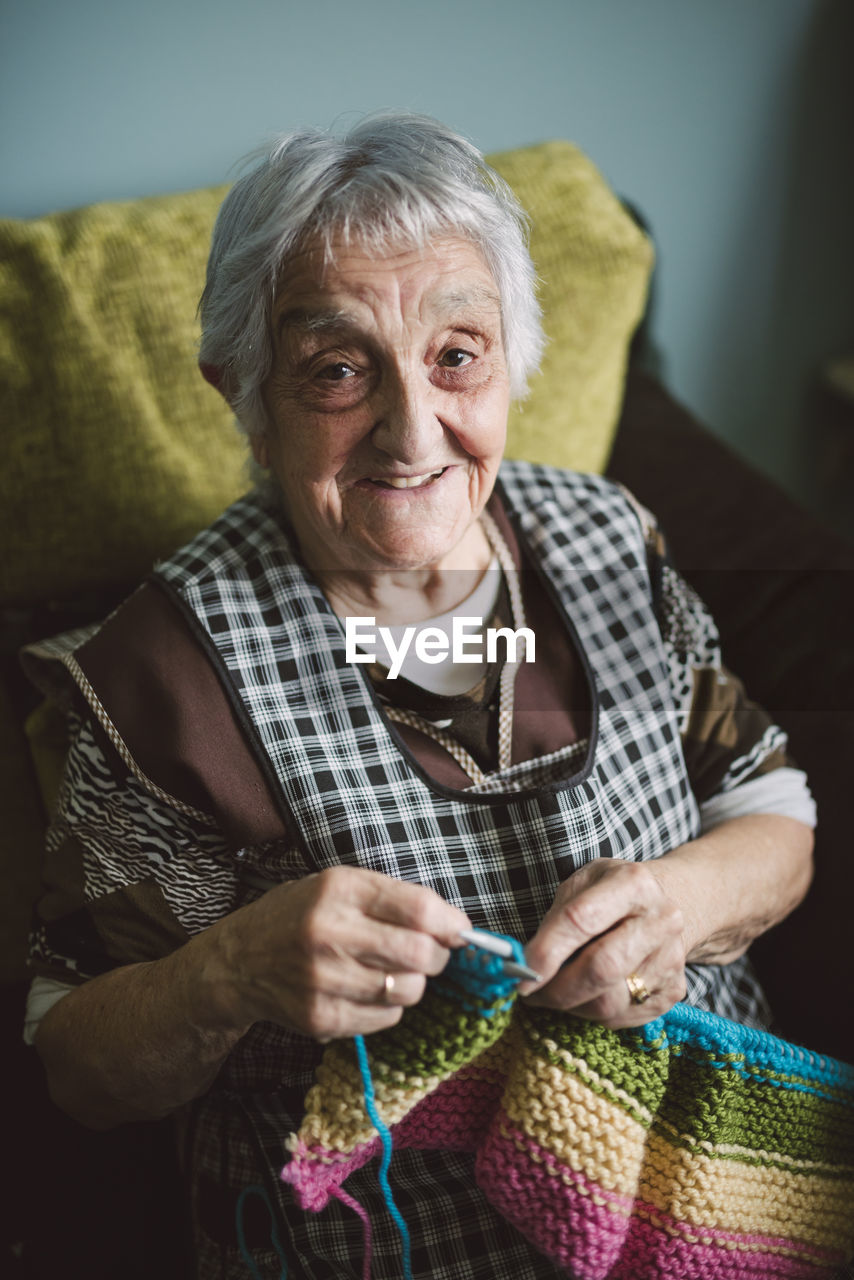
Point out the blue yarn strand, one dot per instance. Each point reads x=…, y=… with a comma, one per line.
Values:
x=385, y=1138
x=479, y=974
x=274, y=1233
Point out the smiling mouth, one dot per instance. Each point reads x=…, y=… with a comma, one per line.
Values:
x=408, y=482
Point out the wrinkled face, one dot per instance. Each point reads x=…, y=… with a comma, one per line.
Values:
x=387, y=404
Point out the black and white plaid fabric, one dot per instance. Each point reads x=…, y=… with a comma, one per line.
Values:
x=356, y=796
x=349, y=787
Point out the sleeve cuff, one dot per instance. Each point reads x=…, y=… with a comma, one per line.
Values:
x=782, y=791
x=44, y=993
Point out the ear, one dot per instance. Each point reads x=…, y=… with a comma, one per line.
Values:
x=213, y=374
x=260, y=446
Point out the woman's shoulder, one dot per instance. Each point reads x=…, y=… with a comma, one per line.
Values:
x=527, y=486
x=249, y=527
x=148, y=628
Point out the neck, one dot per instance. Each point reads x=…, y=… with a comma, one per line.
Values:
x=396, y=596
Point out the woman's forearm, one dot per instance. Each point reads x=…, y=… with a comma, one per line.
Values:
x=736, y=881
x=136, y=1043
x=339, y=953
x=705, y=901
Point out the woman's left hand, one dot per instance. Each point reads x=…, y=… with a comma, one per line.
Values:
x=609, y=921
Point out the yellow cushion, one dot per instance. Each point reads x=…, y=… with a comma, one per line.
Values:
x=115, y=449
x=594, y=265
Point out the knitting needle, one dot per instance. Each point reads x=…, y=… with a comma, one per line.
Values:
x=498, y=947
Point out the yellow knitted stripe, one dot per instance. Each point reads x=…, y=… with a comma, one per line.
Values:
x=582, y=1068
x=602, y=1085
x=568, y=1119
x=747, y=1198
x=335, y=1115
x=590, y=1134
x=733, y=1150
x=335, y=1105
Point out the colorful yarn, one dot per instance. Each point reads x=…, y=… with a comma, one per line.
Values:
x=385, y=1139
x=687, y=1149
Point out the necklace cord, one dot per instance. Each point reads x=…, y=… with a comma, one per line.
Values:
x=507, y=682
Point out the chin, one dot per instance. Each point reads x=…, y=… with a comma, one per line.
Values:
x=393, y=545
x=415, y=555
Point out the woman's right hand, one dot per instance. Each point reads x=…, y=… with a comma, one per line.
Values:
x=313, y=954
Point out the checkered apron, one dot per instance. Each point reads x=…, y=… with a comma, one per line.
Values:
x=355, y=795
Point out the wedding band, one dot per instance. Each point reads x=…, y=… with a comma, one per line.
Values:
x=388, y=987
x=638, y=992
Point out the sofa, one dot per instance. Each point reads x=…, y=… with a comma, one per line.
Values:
x=117, y=452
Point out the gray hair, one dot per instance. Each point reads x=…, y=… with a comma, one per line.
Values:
x=396, y=179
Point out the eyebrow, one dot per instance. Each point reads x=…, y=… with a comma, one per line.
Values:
x=478, y=296
x=310, y=321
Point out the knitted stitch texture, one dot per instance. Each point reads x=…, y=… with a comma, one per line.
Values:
x=688, y=1149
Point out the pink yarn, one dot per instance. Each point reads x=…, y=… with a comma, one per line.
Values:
x=594, y=1241
x=366, y=1223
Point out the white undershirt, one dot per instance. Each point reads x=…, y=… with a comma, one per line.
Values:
x=446, y=676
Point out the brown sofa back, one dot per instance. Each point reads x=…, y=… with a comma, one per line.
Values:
x=781, y=588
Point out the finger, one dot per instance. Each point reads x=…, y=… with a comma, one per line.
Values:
x=396, y=902
x=389, y=948
x=311, y=946
x=350, y=922
x=344, y=1020
x=604, y=964
x=352, y=960
x=394, y=990
x=353, y=1000
x=418, y=908
x=616, y=1008
x=662, y=973
x=580, y=913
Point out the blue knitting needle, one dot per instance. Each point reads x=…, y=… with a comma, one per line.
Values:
x=498, y=947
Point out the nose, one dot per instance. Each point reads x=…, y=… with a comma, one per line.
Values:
x=408, y=426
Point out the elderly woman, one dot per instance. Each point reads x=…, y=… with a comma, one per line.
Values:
x=271, y=835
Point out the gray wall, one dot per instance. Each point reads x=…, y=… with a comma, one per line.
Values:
x=729, y=122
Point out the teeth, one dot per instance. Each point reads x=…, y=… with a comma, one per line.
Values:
x=409, y=482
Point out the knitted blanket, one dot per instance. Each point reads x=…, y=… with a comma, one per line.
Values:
x=689, y=1148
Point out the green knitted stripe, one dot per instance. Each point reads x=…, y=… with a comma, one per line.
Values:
x=740, y=1061
x=695, y=1101
x=438, y=1036
x=703, y=1101
x=604, y=1060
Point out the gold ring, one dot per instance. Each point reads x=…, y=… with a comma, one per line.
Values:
x=638, y=991
x=388, y=987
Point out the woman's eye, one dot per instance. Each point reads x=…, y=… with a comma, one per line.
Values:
x=455, y=358
x=337, y=372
